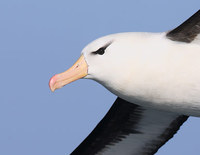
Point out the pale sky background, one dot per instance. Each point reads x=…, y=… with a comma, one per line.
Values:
x=39, y=38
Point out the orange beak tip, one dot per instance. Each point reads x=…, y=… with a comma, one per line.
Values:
x=52, y=82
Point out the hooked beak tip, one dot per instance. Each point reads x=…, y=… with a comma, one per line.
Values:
x=52, y=82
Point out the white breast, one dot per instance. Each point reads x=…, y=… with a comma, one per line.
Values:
x=160, y=73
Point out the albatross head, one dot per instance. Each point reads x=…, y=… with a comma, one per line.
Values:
x=107, y=60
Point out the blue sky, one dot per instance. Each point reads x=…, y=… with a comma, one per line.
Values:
x=39, y=38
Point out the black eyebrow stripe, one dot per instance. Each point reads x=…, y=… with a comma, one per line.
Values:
x=108, y=44
x=104, y=47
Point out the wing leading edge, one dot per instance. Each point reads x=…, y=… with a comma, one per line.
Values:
x=130, y=129
x=187, y=31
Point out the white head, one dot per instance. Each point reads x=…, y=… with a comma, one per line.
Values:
x=106, y=60
x=113, y=60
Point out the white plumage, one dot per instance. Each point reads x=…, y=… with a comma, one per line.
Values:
x=156, y=77
x=149, y=70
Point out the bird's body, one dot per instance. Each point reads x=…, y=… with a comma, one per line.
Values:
x=156, y=77
x=154, y=71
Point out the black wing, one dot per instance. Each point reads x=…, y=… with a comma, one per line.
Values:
x=129, y=129
x=187, y=31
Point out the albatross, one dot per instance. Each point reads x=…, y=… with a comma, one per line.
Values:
x=156, y=77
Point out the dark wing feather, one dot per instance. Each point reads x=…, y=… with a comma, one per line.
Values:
x=187, y=31
x=130, y=129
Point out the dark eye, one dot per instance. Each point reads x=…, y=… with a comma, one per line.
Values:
x=100, y=51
